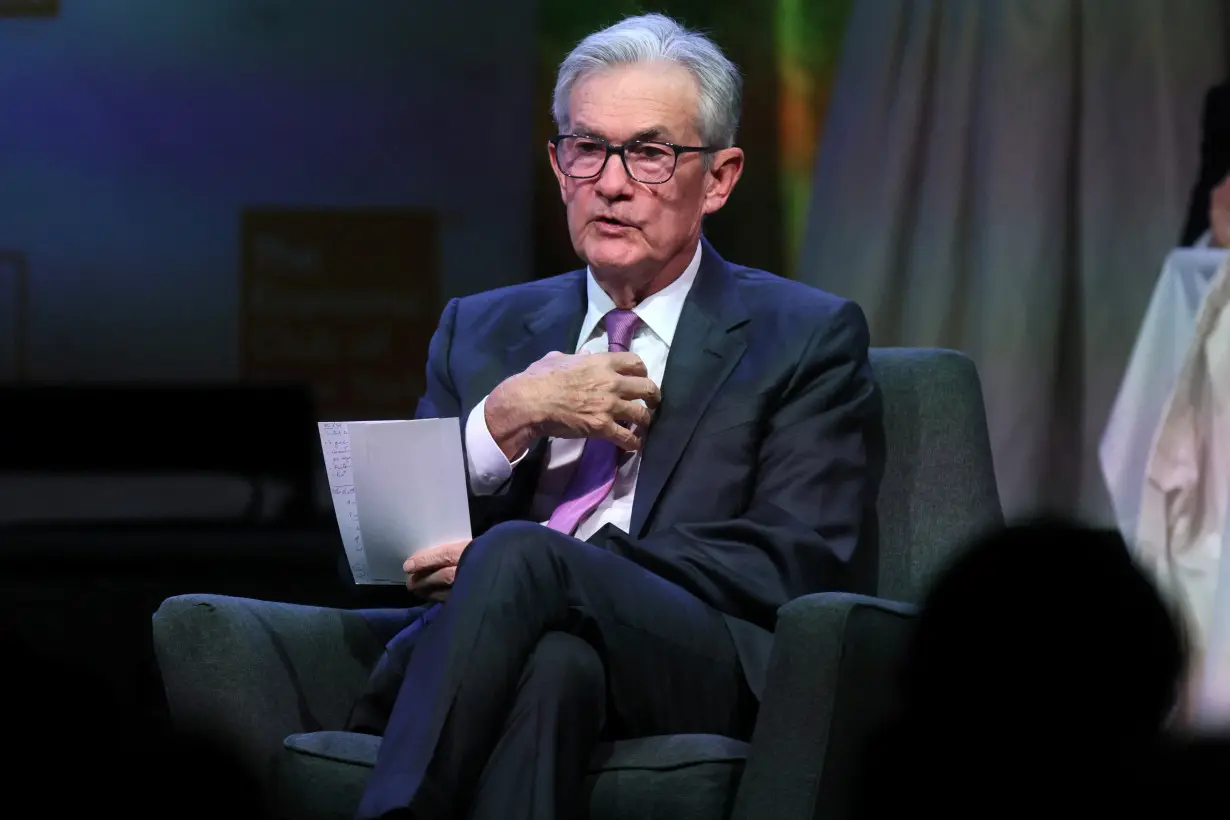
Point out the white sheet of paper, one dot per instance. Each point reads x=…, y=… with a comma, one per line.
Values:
x=335, y=444
x=409, y=488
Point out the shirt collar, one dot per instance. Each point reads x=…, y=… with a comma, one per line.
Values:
x=659, y=312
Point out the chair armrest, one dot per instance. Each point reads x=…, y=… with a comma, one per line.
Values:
x=247, y=673
x=831, y=681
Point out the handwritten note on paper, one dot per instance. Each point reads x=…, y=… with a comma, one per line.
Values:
x=398, y=487
x=335, y=443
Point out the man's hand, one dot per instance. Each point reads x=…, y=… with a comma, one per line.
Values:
x=1219, y=215
x=431, y=572
x=573, y=396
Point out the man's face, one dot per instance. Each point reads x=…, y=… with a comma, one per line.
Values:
x=624, y=227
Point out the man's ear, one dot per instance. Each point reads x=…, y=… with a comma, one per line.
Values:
x=559, y=176
x=725, y=168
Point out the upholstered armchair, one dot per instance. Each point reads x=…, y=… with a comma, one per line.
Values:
x=275, y=682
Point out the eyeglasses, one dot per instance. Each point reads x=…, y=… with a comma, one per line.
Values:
x=650, y=162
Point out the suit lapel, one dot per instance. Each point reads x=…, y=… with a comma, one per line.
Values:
x=706, y=347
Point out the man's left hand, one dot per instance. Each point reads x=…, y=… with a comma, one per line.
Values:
x=431, y=572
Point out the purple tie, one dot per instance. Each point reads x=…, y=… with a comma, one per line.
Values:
x=595, y=471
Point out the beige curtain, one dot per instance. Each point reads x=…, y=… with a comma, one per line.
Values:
x=1005, y=177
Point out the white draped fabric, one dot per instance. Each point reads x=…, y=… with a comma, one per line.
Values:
x=1166, y=458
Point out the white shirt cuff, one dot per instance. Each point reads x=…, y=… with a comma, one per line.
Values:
x=489, y=468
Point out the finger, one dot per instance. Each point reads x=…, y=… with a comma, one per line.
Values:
x=424, y=583
x=435, y=557
x=417, y=583
x=553, y=354
x=626, y=364
x=426, y=561
x=421, y=579
x=435, y=577
x=438, y=585
x=425, y=568
x=634, y=412
x=620, y=436
x=639, y=387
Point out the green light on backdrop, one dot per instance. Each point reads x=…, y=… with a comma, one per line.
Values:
x=808, y=34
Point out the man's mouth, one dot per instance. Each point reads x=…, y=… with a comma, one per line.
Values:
x=610, y=220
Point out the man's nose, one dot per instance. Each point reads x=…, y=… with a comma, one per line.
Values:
x=614, y=181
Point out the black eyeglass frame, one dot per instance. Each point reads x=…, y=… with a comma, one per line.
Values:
x=676, y=150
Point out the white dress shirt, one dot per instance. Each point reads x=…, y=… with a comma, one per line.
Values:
x=490, y=469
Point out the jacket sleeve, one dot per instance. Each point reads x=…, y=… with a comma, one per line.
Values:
x=442, y=399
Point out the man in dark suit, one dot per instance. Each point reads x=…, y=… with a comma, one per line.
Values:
x=643, y=506
x=1208, y=213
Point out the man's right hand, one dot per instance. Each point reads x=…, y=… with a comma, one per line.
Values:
x=573, y=396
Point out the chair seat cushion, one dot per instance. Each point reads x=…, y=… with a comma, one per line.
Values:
x=681, y=777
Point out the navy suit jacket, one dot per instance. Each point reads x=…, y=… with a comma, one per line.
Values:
x=759, y=475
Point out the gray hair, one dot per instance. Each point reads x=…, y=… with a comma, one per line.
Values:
x=650, y=38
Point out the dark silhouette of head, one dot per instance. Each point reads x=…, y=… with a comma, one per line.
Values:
x=1046, y=627
x=1043, y=668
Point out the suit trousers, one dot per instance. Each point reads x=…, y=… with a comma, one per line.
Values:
x=546, y=646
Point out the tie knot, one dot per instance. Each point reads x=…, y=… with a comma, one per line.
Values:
x=620, y=325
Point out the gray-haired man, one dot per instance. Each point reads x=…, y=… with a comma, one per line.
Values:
x=663, y=448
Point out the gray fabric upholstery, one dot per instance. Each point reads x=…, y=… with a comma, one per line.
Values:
x=939, y=479
x=830, y=677
x=321, y=776
x=830, y=680
x=275, y=682
x=251, y=672
x=676, y=777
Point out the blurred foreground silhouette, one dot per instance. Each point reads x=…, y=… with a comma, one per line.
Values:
x=1040, y=678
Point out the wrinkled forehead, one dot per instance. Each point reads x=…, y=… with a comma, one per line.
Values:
x=643, y=101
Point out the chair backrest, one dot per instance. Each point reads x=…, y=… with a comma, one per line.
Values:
x=939, y=486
